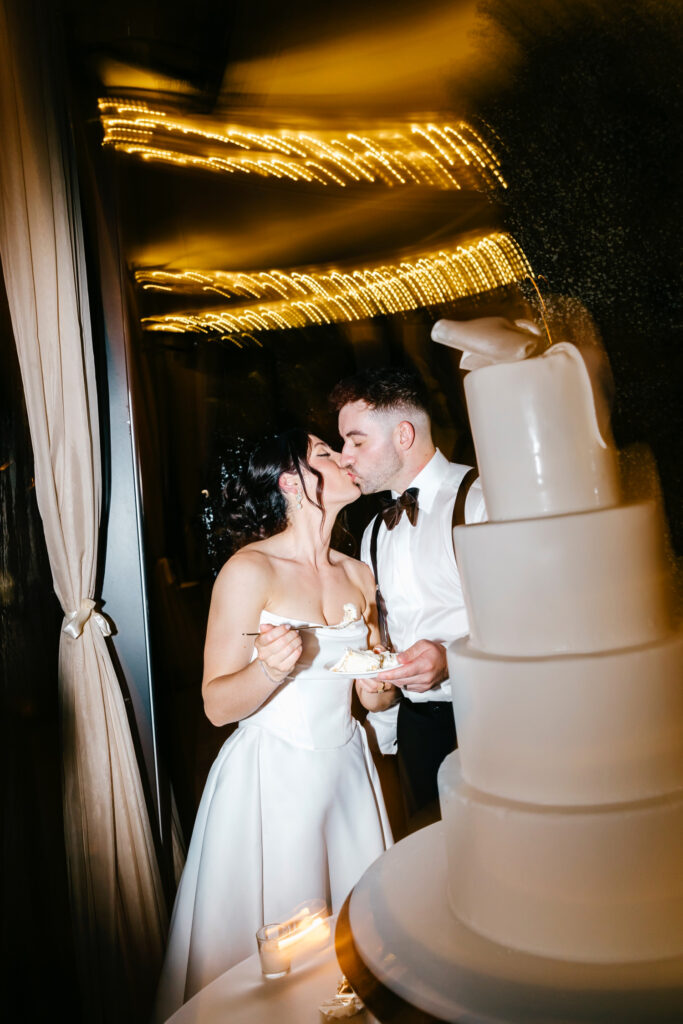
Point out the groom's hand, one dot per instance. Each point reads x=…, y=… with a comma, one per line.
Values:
x=422, y=667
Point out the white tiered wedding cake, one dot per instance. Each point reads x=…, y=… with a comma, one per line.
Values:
x=553, y=887
x=563, y=806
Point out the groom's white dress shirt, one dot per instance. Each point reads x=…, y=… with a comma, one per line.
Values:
x=418, y=574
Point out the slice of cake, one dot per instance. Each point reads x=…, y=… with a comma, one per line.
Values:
x=350, y=615
x=365, y=661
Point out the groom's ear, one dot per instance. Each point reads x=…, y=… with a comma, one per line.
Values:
x=289, y=483
x=404, y=434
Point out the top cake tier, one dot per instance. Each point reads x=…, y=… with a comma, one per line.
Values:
x=539, y=448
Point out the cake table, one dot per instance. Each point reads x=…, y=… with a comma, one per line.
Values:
x=241, y=995
x=411, y=960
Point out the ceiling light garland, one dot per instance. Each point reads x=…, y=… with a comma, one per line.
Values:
x=444, y=156
x=304, y=298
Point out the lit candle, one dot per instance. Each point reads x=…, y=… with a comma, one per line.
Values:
x=277, y=943
x=307, y=928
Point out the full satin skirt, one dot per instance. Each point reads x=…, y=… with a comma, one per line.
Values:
x=277, y=825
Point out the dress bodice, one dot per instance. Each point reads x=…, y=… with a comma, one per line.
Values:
x=312, y=708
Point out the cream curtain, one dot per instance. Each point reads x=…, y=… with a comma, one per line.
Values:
x=117, y=900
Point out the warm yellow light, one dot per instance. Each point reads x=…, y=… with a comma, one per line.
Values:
x=300, y=298
x=305, y=928
x=441, y=156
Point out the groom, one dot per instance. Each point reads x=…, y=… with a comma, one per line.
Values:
x=384, y=423
x=385, y=426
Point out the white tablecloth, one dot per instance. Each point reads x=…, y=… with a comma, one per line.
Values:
x=243, y=996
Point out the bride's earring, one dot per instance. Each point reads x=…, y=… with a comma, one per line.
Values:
x=299, y=500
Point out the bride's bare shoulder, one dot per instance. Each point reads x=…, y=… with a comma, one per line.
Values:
x=251, y=565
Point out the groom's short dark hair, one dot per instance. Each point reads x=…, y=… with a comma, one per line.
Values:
x=386, y=387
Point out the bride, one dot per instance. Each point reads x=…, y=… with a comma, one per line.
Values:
x=292, y=809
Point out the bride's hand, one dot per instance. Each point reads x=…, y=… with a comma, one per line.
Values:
x=278, y=648
x=375, y=685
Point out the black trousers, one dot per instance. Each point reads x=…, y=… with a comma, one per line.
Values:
x=426, y=734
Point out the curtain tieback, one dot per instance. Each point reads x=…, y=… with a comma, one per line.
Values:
x=74, y=622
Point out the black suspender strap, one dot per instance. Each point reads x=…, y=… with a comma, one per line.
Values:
x=379, y=600
x=459, y=505
x=461, y=497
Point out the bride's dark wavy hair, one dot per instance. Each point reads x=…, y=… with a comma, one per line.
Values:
x=247, y=503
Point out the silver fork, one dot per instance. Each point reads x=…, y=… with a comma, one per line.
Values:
x=293, y=627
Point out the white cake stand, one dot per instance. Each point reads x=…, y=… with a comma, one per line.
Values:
x=410, y=959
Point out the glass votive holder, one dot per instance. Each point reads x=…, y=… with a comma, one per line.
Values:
x=306, y=930
x=276, y=960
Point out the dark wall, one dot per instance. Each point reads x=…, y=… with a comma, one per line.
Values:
x=589, y=120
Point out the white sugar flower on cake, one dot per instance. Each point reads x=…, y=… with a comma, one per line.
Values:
x=489, y=340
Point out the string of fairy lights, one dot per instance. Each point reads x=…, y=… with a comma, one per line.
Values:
x=443, y=156
x=301, y=298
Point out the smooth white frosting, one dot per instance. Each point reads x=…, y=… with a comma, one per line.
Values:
x=563, y=807
x=539, y=448
x=567, y=584
x=595, y=885
x=582, y=730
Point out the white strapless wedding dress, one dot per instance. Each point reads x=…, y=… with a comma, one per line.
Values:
x=292, y=810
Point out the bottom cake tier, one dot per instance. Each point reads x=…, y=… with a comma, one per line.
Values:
x=597, y=884
x=406, y=938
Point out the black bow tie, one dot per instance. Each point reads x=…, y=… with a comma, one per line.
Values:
x=392, y=508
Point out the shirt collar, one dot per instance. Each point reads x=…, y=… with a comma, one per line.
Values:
x=429, y=480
